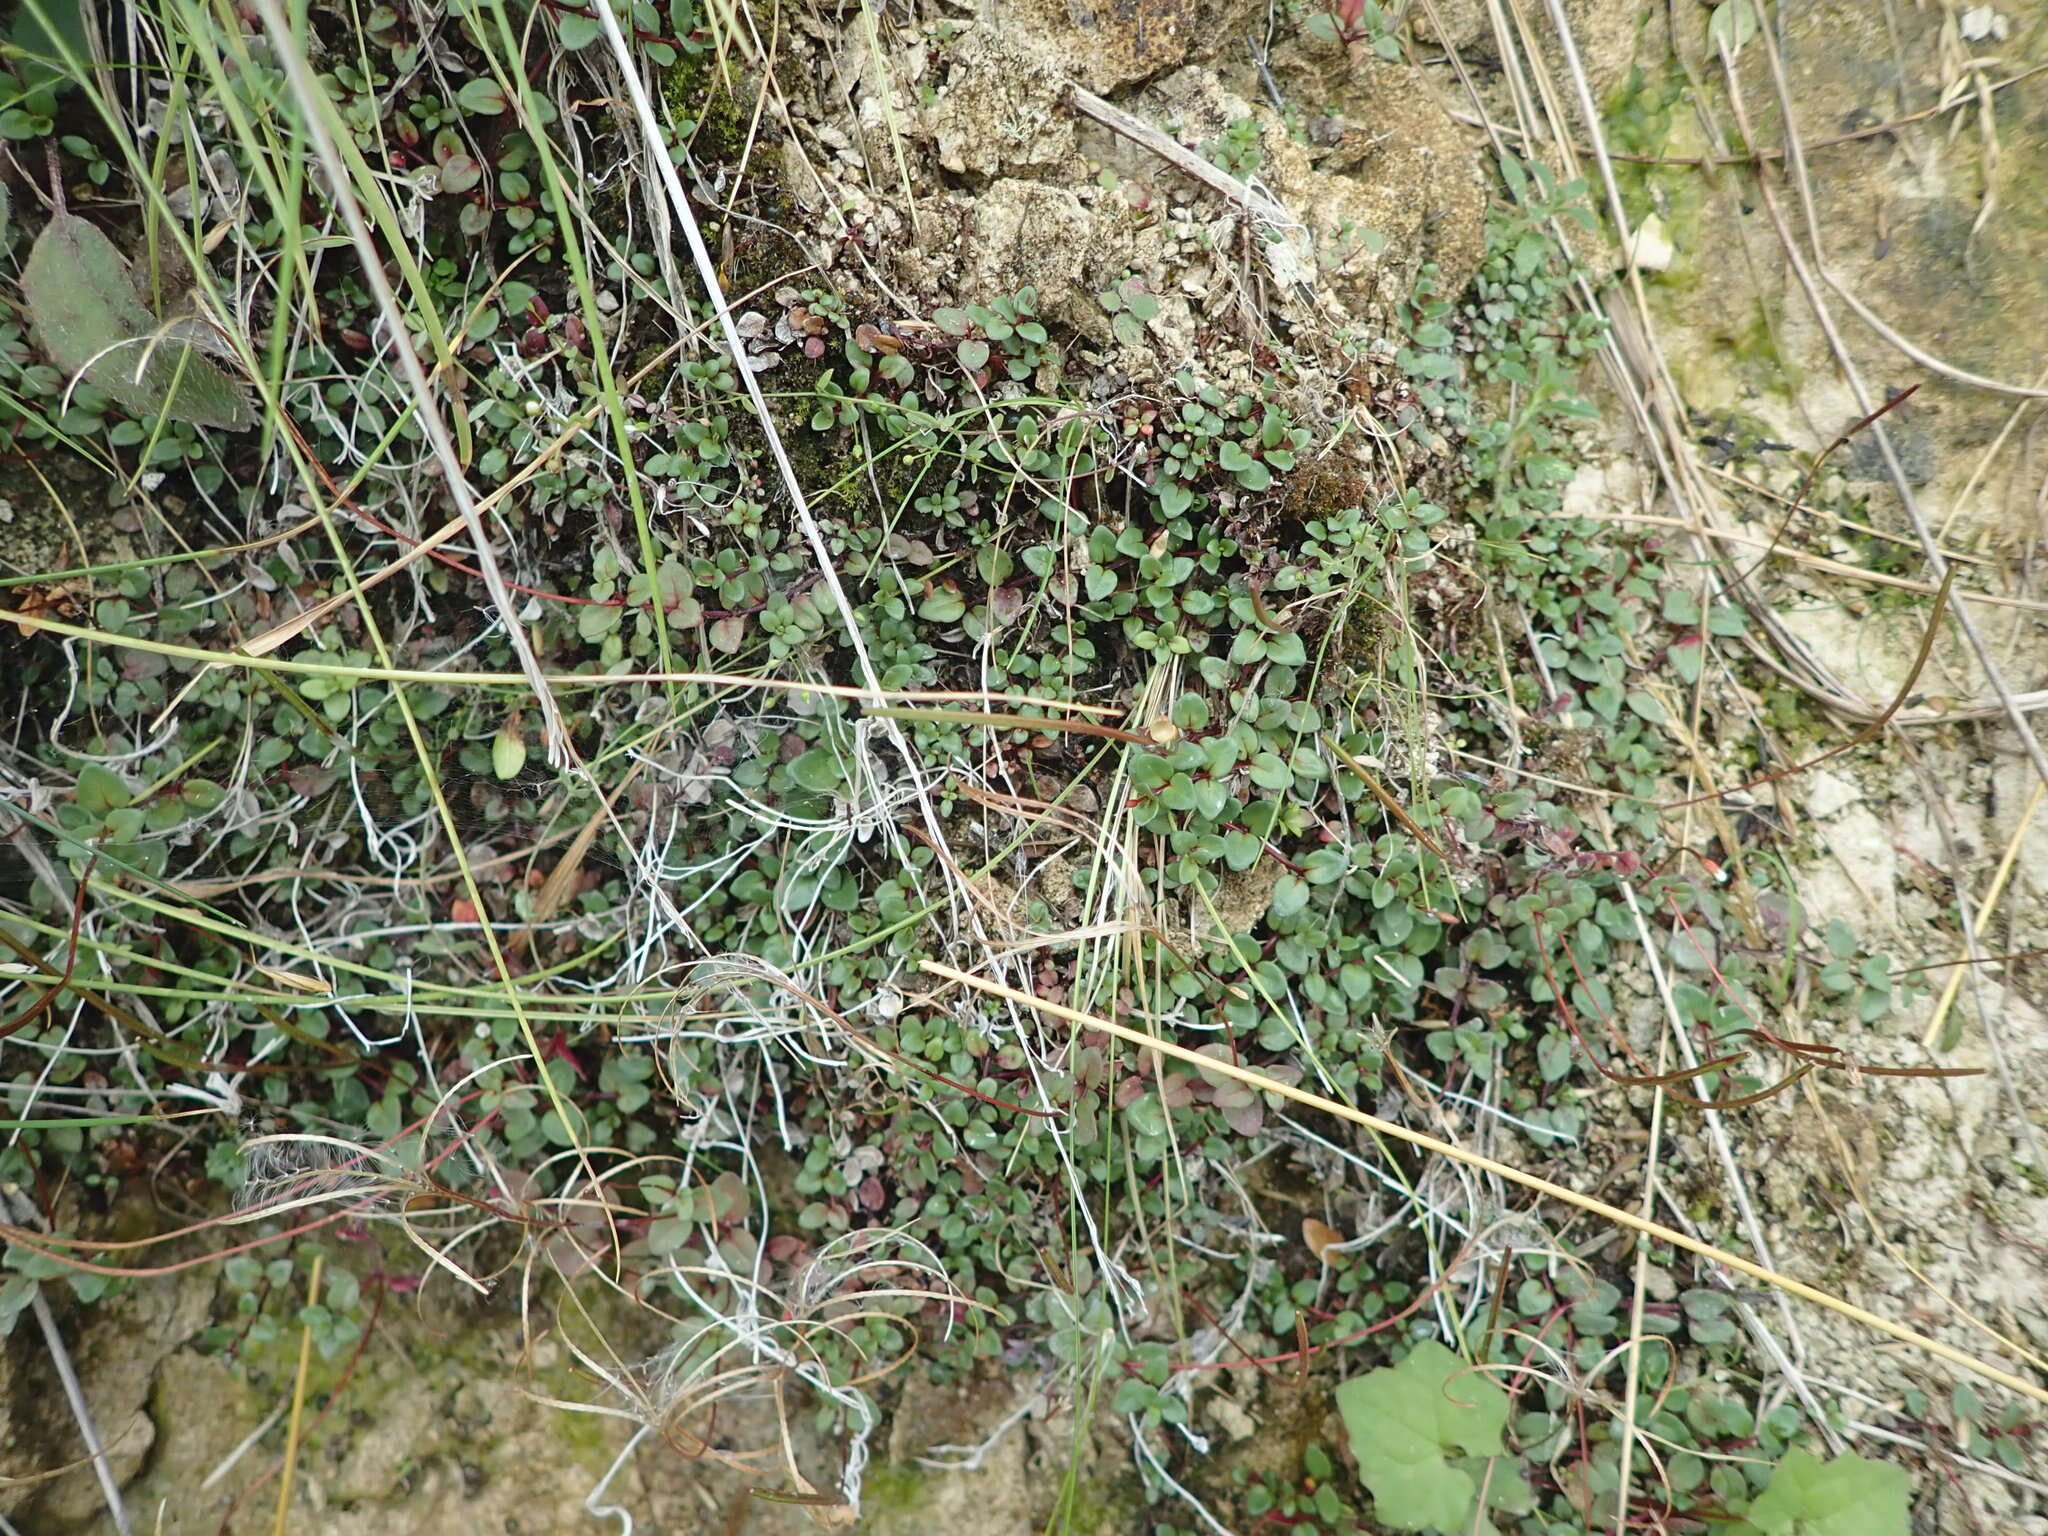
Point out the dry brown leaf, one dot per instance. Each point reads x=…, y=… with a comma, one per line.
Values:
x=1321, y=1237
x=296, y=981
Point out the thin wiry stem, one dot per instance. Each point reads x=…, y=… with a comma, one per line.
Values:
x=313, y=105
x=1545, y=1187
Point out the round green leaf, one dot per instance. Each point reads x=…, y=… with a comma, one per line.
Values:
x=818, y=770
x=1408, y=1422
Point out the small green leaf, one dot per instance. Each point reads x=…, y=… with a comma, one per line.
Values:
x=1290, y=895
x=508, y=751
x=1285, y=650
x=577, y=31
x=100, y=790
x=1269, y=770
x=1726, y=619
x=942, y=605
x=1132, y=1396
x=1681, y=607
x=1241, y=850
x=1732, y=24
x=459, y=174
x=123, y=825
x=1644, y=703
x=202, y=794
x=482, y=94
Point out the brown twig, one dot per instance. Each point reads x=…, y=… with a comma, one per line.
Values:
x=1793, y=509
x=1868, y=732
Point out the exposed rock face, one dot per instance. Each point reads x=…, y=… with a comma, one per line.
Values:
x=116, y=1346
x=1386, y=158
x=1110, y=43
x=441, y=1427
x=965, y=170
x=1935, y=226
x=1028, y=233
x=1383, y=183
x=1002, y=114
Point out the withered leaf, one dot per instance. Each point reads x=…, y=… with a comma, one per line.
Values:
x=1321, y=1237
x=82, y=304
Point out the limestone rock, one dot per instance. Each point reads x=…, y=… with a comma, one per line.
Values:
x=1108, y=43
x=116, y=1346
x=1386, y=183
x=1027, y=232
x=1001, y=112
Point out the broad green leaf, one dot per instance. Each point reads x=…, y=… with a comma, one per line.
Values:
x=1408, y=1423
x=818, y=770
x=100, y=790
x=577, y=31
x=1849, y=1496
x=508, y=752
x=82, y=302
x=1732, y=25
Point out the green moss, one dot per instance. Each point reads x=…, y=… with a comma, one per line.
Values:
x=1757, y=348
x=702, y=91
x=894, y=1488
x=1797, y=721
x=1639, y=122
x=588, y=1436
x=1638, y=113
x=1100, y=1504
